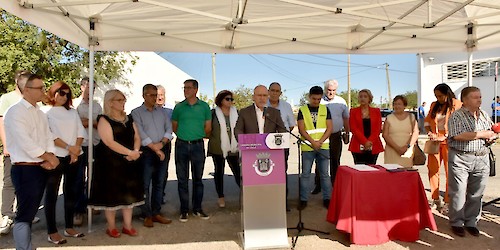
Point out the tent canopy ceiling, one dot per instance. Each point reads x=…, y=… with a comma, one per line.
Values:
x=268, y=26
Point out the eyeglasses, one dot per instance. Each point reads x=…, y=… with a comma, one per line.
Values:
x=42, y=88
x=332, y=90
x=61, y=92
x=229, y=99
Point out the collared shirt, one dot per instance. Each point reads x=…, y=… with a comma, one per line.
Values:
x=338, y=110
x=7, y=100
x=421, y=112
x=286, y=113
x=463, y=120
x=191, y=119
x=153, y=125
x=260, y=118
x=27, y=132
x=83, y=112
x=494, y=111
x=65, y=125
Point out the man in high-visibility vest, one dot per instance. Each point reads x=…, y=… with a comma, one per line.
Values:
x=315, y=126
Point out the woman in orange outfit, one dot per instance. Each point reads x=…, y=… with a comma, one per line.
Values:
x=436, y=125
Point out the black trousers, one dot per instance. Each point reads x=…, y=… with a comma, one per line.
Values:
x=335, y=154
x=219, y=164
x=365, y=158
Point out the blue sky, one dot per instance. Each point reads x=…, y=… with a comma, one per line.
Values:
x=297, y=73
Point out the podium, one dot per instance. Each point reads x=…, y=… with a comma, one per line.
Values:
x=264, y=190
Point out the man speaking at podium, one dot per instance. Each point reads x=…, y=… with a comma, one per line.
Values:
x=257, y=118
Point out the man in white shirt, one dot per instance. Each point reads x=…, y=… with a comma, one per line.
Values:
x=83, y=111
x=340, y=119
x=31, y=147
x=8, y=195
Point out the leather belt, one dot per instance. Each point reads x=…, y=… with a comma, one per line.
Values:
x=28, y=163
x=482, y=152
x=190, y=142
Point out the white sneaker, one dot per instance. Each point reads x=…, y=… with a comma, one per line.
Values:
x=6, y=225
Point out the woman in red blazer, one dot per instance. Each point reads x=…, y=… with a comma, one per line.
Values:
x=365, y=123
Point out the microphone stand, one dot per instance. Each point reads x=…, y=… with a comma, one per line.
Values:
x=300, y=225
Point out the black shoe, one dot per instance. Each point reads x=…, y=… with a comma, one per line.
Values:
x=473, y=231
x=317, y=190
x=459, y=231
x=302, y=205
x=326, y=203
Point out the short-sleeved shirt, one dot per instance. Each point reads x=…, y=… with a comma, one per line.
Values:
x=421, y=112
x=191, y=119
x=7, y=100
x=83, y=112
x=314, y=114
x=495, y=111
x=338, y=110
x=463, y=121
x=286, y=113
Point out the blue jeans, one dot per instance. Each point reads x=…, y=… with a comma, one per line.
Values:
x=308, y=158
x=154, y=175
x=186, y=153
x=82, y=181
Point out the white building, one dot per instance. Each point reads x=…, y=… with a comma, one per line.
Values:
x=451, y=68
x=149, y=68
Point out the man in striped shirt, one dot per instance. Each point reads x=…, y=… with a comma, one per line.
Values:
x=469, y=136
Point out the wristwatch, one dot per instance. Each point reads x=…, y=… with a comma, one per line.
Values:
x=163, y=143
x=408, y=145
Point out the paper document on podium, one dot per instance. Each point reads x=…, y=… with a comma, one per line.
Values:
x=362, y=167
x=391, y=166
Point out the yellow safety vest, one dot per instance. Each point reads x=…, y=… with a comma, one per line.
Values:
x=315, y=132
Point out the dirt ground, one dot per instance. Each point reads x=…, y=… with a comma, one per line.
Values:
x=222, y=230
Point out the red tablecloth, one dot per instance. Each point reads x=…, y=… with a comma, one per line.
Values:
x=379, y=206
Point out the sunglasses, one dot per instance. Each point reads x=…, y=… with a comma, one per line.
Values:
x=62, y=92
x=229, y=99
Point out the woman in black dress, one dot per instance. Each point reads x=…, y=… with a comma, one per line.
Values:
x=117, y=176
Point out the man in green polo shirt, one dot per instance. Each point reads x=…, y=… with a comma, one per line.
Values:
x=191, y=122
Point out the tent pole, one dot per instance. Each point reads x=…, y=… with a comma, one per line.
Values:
x=90, y=115
x=469, y=69
x=91, y=130
x=214, y=82
x=349, y=81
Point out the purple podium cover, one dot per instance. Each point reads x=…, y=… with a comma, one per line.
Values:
x=260, y=165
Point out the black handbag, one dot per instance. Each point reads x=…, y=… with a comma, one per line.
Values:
x=493, y=161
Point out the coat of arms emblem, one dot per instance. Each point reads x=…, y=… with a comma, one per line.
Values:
x=263, y=165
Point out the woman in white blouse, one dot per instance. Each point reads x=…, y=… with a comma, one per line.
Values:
x=69, y=133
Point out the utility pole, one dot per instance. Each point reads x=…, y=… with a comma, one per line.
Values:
x=349, y=81
x=389, y=97
x=213, y=77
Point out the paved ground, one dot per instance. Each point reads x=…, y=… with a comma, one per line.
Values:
x=221, y=231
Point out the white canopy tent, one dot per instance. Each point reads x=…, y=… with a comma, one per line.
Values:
x=267, y=26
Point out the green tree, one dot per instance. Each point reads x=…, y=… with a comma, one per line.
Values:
x=304, y=99
x=242, y=97
x=24, y=46
x=412, y=99
x=354, y=97
x=205, y=98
